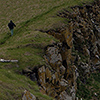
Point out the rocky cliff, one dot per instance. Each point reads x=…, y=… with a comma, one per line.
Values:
x=76, y=55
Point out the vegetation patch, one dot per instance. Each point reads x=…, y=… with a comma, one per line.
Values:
x=90, y=89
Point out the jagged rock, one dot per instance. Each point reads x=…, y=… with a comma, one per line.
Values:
x=55, y=78
x=85, y=67
x=95, y=60
x=95, y=50
x=74, y=14
x=79, y=39
x=62, y=70
x=48, y=74
x=63, y=82
x=97, y=67
x=76, y=74
x=64, y=96
x=28, y=96
x=53, y=58
x=73, y=90
x=68, y=37
x=78, y=31
x=53, y=53
x=82, y=11
x=86, y=51
x=52, y=93
x=42, y=90
x=41, y=74
x=73, y=96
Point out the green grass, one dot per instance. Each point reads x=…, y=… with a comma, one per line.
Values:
x=92, y=85
x=40, y=15
x=12, y=86
x=29, y=52
x=27, y=44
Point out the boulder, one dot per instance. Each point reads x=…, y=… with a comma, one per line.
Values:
x=28, y=96
x=53, y=56
x=64, y=96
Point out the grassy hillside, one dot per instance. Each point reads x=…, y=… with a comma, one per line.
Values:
x=29, y=16
x=27, y=44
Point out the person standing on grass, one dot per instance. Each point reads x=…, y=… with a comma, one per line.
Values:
x=11, y=26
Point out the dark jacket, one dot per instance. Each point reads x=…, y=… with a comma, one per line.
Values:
x=11, y=25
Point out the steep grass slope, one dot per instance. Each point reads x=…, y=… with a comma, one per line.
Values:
x=29, y=16
x=27, y=44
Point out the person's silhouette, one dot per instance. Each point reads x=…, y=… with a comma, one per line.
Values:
x=11, y=26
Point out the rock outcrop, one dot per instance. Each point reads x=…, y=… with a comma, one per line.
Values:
x=59, y=80
x=28, y=96
x=75, y=56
